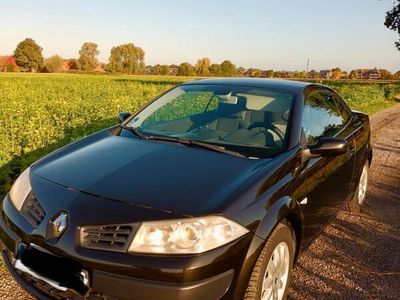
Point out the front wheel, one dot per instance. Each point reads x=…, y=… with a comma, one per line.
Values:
x=272, y=272
x=356, y=203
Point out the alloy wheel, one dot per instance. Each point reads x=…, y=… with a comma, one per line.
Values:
x=276, y=274
x=362, y=187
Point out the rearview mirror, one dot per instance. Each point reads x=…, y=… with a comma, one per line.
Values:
x=123, y=116
x=329, y=146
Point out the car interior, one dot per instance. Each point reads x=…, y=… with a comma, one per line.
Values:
x=252, y=119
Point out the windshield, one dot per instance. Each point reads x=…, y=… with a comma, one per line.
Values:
x=248, y=120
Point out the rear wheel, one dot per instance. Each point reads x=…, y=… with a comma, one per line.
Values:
x=356, y=203
x=272, y=272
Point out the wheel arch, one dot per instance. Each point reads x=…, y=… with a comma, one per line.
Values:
x=286, y=210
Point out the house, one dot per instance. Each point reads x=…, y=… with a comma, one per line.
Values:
x=66, y=65
x=267, y=73
x=249, y=72
x=173, y=70
x=327, y=74
x=241, y=71
x=368, y=74
x=99, y=69
x=8, y=64
x=148, y=70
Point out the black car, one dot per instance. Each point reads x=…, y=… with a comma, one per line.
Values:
x=210, y=191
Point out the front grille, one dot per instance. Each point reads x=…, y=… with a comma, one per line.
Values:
x=32, y=210
x=106, y=237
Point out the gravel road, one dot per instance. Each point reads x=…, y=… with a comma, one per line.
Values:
x=358, y=255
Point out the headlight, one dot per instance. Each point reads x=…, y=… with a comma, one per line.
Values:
x=20, y=189
x=185, y=236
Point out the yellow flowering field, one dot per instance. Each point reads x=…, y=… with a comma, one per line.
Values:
x=42, y=112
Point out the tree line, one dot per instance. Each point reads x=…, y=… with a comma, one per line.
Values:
x=129, y=59
x=126, y=58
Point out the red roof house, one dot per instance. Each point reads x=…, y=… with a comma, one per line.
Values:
x=8, y=64
x=368, y=74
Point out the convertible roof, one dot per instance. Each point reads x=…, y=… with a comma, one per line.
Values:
x=287, y=85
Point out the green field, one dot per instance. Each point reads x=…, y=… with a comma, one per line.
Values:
x=41, y=112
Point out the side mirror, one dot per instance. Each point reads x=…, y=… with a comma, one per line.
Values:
x=327, y=146
x=123, y=116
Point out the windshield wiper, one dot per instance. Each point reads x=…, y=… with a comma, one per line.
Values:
x=136, y=131
x=194, y=143
x=183, y=141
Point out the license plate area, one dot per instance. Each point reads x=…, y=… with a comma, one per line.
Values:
x=59, y=272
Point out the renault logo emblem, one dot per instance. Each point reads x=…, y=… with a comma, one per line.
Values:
x=58, y=225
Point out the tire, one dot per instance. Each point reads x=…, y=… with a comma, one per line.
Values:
x=356, y=203
x=281, y=238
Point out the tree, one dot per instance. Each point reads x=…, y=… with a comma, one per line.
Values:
x=385, y=74
x=228, y=69
x=255, y=73
x=336, y=73
x=164, y=70
x=53, y=64
x=289, y=74
x=313, y=74
x=279, y=74
x=353, y=74
x=74, y=64
x=203, y=66
x=392, y=20
x=88, y=56
x=299, y=74
x=127, y=58
x=10, y=68
x=155, y=70
x=269, y=73
x=215, y=70
x=28, y=56
x=185, y=69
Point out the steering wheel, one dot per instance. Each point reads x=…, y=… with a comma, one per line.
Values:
x=267, y=126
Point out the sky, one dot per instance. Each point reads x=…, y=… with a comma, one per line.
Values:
x=268, y=34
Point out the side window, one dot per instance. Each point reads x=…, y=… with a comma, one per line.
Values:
x=321, y=116
x=344, y=110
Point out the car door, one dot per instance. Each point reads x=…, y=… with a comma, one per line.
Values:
x=327, y=179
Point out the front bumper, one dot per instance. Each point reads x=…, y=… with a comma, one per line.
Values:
x=112, y=286
x=209, y=276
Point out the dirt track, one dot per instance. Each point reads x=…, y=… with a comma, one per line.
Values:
x=357, y=256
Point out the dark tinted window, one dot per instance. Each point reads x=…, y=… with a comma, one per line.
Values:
x=321, y=116
x=344, y=110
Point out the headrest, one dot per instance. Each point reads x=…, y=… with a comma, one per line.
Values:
x=227, y=99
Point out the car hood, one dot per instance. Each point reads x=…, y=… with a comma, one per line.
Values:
x=161, y=175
